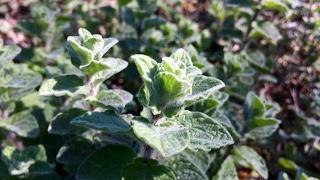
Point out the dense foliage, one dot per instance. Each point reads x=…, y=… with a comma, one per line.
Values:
x=147, y=89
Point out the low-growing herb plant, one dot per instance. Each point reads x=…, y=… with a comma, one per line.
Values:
x=200, y=113
x=17, y=82
x=159, y=140
x=258, y=123
x=176, y=136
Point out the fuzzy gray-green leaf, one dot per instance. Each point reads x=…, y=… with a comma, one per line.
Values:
x=247, y=155
x=227, y=170
x=24, y=124
x=19, y=161
x=168, y=138
x=107, y=162
x=205, y=132
x=60, y=124
x=107, y=121
x=61, y=85
x=202, y=86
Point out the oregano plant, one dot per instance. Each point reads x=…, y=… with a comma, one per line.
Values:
x=259, y=122
x=183, y=127
x=17, y=82
x=169, y=87
x=159, y=90
x=167, y=129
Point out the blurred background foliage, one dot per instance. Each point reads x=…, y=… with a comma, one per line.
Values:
x=267, y=46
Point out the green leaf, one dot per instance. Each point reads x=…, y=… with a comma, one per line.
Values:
x=223, y=119
x=152, y=22
x=188, y=166
x=115, y=98
x=198, y=60
x=287, y=164
x=86, y=50
x=169, y=87
x=205, y=132
x=41, y=170
x=74, y=150
x=115, y=65
x=258, y=61
x=23, y=81
x=202, y=86
x=193, y=71
x=107, y=121
x=60, y=124
x=173, y=83
x=40, y=167
x=61, y=85
x=108, y=66
x=32, y=100
x=23, y=123
x=272, y=109
x=123, y=2
x=16, y=81
x=80, y=55
x=49, y=110
x=147, y=169
x=167, y=138
x=267, y=30
x=211, y=104
x=8, y=53
x=277, y=5
x=32, y=27
x=262, y=127
x=144, y=96
x=254, y=107
x=183, y=56
x=108, y=43
x=119, y=139
x=199, y=158
x=146, y=67
x=106, y=163
x=251, y=158
x=84, y=34
x=19, y=161
x=94, y=43
x=227, y=170
x=94, y=67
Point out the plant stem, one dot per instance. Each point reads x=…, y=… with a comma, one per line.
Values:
x=147, y=149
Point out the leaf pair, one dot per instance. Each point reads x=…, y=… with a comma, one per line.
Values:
x=192, y=130
x=173, y=83
x=244, y=156
x=259, y=117
x=86, y=51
